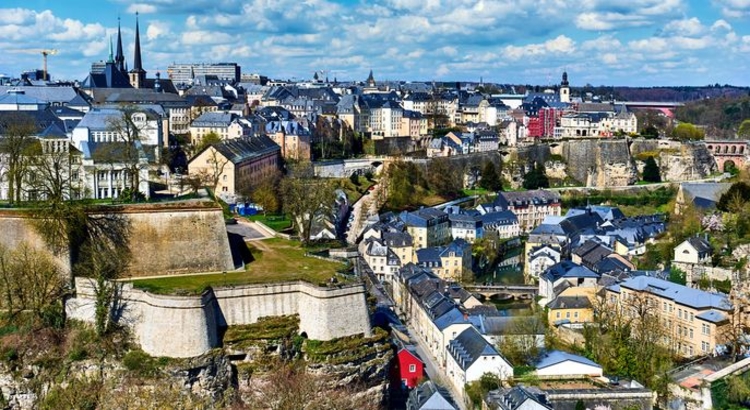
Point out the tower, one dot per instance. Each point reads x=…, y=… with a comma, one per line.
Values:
x=564, y=88
x=119, y=56
x=370, y=80
x=137, y=74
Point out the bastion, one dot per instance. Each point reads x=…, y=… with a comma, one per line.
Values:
x=164, y=239
x=188, y=326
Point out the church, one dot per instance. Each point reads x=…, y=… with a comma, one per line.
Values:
x=114, y=72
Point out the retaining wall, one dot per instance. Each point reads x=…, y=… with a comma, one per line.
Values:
x=188, y=326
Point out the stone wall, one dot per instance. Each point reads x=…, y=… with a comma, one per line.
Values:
x=165, y=239
x=188, y=326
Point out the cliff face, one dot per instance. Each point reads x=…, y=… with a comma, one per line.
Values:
x=690, y=162
x=600, y=163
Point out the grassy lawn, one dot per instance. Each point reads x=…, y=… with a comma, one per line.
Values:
x=354, y=192
x=276, y=260
x=477, y=191
x=276, y=222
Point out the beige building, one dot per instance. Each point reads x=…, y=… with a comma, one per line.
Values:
x=226, y=125
x=427, y=227
x=695, y=322
x=292, y=137
x=235, y=164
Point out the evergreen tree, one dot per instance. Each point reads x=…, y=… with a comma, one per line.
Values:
x=490, y=178
x=651, y=171
x=536, y=178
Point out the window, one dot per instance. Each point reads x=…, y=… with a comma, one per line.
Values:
x=575, y=314
x=664, y=307
x=691, y=316
x=706, y=329
x=558, y=315
x=691, y=332
x=412, y=368
x=679, y=313
x=567, y=315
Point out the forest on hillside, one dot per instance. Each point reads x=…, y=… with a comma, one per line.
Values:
x=721, y=117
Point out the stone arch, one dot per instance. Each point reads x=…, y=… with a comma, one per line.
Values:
x=728, y=166
x=710, y=147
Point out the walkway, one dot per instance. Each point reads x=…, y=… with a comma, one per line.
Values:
x=365, y=207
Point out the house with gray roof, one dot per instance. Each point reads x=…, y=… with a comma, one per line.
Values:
x=565, y=272
x=558, y=364
x=518, y=397
x=430, y=396
x=470, y=356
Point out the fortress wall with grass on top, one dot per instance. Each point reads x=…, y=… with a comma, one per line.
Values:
x=188, y=326
x=165, y=239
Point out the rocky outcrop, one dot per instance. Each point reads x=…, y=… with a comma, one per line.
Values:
x=690, y=162
x=600, y=163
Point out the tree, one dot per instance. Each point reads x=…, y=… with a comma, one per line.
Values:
x=744, y=129
x=56, y=172
x=264, y=192
x=490, y=177
x=443, y=177
x=305, y=197
x=651, y=170
x=519, y=343
x=29, y=281
x=126, y=150
x=734, y=199
x=208, y=140
x=536, y=178
x=17, y=140
x=687, y=132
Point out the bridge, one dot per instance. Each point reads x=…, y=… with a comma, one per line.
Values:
x=728, y=153
x=524, y=291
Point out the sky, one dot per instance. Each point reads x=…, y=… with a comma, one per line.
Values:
x=599, y=42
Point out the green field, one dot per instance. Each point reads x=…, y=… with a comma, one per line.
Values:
x=276, y=260
x=276, y=222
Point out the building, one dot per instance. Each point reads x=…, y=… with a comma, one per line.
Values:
x=225, y=125
x=407, y=366
x=694, y=250
x=427, y=227
x=429, y=396
x=563, y=395
x=448, y=262
x=530, y=207
x=696, y=320
x=236, y=164
x=470, y=356
x=293, y=138
x=562, y=365
x=185, y=73
x=563, y=275
x=572, y=307
x=517, y=398
x=465, y=226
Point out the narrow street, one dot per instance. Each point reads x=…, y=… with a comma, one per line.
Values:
x=361, y=210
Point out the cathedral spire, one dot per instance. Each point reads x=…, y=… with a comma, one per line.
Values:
x=137, y=66
x=110, y=59
x=119, y=57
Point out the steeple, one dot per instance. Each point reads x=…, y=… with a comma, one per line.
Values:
x=137, y=74
x=565, y=88
x=370, y=80
x=564, y=82
x=119, y=57
x=110, y=59
x=137, y=59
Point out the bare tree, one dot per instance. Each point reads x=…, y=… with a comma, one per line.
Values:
x=305, y=198
x=17, y=139
x=29, y=280
x=127, y=148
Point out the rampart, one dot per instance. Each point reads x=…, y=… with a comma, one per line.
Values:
x=188, y=326
x=164, y=239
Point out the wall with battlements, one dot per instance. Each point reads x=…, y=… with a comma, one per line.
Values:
x=188, y=326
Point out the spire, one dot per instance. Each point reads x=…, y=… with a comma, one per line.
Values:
x=110, y=59
x=137, y=66
x=564, y=82
x=119, y=57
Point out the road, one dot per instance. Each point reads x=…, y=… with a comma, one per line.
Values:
x=361, y=210
x=247, y=230
x=433, y=370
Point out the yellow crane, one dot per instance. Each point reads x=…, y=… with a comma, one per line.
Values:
x=43, y=52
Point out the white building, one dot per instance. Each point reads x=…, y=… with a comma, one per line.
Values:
x=470, y=356
x=562, y=365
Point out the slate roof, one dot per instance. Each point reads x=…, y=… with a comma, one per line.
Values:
x=19, y=98
x=683, y=295
x=713, y=316
x=41, y=119
x=700, y=244
x=213, y=119
x=58, y=95
x=526, y=198
x=515, y=397
x=429, y=396
x=239, y=150
x=568, y=269
x=469, y=346
x=570, y=302
x=502, y=218
x=704, y=195
x=556, y=356
x=101, y=119
x=422, y=217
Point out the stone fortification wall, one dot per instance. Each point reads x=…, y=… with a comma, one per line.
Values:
x=187, y=326
x=165, y=239
x=17, y=229
x=599, y=163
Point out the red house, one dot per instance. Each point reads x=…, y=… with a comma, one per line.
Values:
x=407, y=369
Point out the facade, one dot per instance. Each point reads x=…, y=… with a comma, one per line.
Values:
x=185, y=73
x=572, y=307
x=530, y=207
x=696, y=321
x=448, y=262
x=694, y=250
x=109, y=125
x=470, y=356
x=427, y=227
x=408, y=366
x=429, y=396
x=465, y=227
x=292, y=137
x=226, y=125
x=236, y=163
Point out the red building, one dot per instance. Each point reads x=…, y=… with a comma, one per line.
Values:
x=543, y=125
x=407, y=369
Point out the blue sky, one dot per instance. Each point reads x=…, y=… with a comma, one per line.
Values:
x=632, y=42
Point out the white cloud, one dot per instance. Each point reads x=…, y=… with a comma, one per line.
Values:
x=157, y=29
x=609, y=58
x=141, y=8
x=734, y=8
x=685, y=27
x=560, y=44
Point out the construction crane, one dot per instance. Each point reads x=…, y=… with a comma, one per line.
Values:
x=43, y=52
